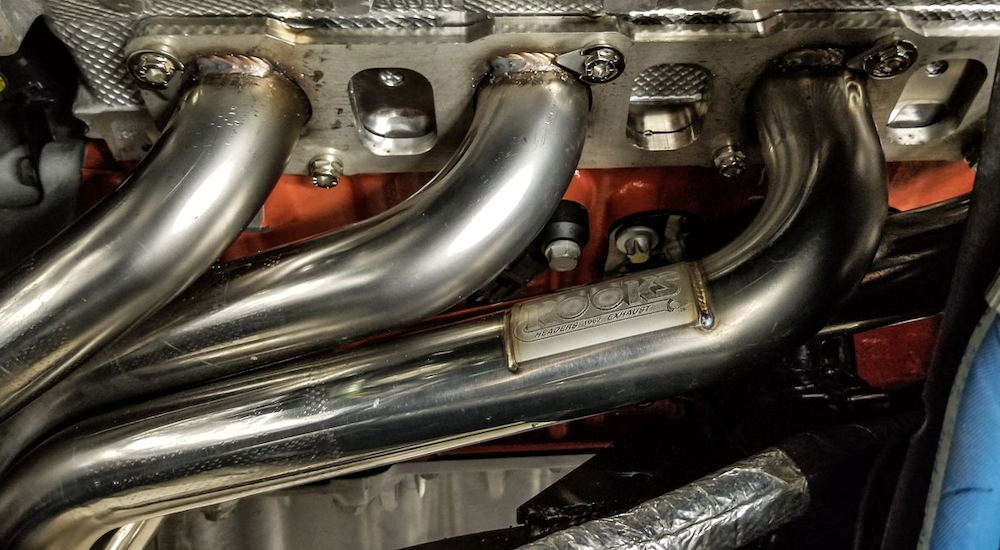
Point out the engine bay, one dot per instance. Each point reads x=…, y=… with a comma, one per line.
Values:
x=559, y=275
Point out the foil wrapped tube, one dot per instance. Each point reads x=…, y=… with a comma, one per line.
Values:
x=726, y=509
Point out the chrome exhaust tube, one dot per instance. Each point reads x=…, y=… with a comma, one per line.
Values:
x=419, y=258
x=415, y=260
x=916, y=246
x=563, y=356
x=203, y=181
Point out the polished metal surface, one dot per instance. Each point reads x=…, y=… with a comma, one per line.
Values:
x=393, y=111
x=134, y=536
x=418, y=259
x=427, y=254
x=933, y=101
x=207, y=176
x=307, y=420
x=429, y=19
x=609, y=311
x=856, y=158
x=724, y=510
x=408, y=504
x=723, y=50
x=667, y=106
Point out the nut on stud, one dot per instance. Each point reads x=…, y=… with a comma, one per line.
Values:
x=562, y=254
x=154, y=69
x=326, y=170
x=730, y=161
x=637, y=243
x=602, y=64
x=890, y=59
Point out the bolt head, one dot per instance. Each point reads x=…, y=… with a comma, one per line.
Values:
x=936, y=68
x=731, y=162
x=325, y=181
x=391, y=78
x=637, y=249
x=602, y=64
x=154, y=69
x=890, y=60
x=325, y=171
x=562, y=254
x=601, y=69
x=637, y=243
x=732, y=170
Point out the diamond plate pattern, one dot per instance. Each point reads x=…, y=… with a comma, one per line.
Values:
x=96, y=31
x=96, y=34
x=415, y=5
x=864, y=5
x=536, y=7
x=671, y=83
x=945, y=15
x=974, y=11
x=96, y=37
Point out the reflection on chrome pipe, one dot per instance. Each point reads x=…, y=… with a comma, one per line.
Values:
x=448, y=240
x=134, y=536
x=318, y=418
x=907, y=280
x=413, y=261
x=205, y=178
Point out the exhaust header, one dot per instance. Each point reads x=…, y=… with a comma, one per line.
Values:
x=200, y=185
x=770, y=290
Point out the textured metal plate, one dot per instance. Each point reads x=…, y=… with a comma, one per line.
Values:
x=97, y=30
x=671, y=83
x=619, y=308
x=323, y=44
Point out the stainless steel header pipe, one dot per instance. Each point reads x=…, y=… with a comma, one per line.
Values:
x=420, y=258
x=563, y=356
x=203, y=181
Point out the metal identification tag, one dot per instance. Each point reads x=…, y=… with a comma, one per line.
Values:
x=599, y=313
